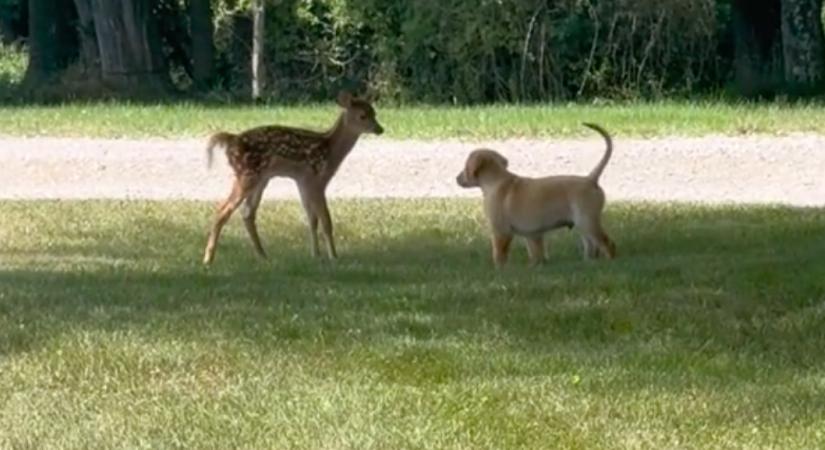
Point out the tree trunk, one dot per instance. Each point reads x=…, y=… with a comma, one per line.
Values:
x=203, y=44
x=803, y=45
x=7, y=12
x=52, y=41
x=257, y=47
x=131, y=56
x=241, y=51
x=757, y=47
x=89, y=51
x=174, y=35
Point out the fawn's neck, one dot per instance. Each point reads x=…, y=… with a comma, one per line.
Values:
x=341, y=141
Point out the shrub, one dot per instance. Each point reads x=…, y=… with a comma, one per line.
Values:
x=491, y=50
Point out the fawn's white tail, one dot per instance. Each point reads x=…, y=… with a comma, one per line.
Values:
x=222, y=138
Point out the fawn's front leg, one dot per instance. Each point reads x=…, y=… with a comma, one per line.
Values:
x=314, y=200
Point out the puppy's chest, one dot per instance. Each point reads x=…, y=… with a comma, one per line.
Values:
x=259, y=148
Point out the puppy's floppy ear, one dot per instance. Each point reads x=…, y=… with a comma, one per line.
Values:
x=344, y=99
x=474, y=165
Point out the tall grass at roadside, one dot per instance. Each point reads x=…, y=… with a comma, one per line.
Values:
x=189, y=120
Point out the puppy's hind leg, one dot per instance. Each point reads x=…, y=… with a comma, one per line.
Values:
x=590, y=250
x=598, y=243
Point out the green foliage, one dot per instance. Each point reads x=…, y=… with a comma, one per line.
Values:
x=13, y=61
x=489, y=50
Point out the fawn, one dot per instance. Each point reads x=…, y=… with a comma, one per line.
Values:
x=308, y=157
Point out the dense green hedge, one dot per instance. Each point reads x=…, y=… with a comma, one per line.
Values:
x=470, y=51
x=485, y=50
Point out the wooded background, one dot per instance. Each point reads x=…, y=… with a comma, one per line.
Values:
x=424, y=50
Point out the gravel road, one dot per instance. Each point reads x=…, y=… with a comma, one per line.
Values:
x=712, y=169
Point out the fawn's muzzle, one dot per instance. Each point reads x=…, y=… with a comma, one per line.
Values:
x=378, y=129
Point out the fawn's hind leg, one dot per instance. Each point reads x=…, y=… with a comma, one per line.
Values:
x=326, y=226
x=241, y=189
x=249, y=211
x=308, y=202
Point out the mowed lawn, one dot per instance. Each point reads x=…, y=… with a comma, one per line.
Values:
x=707, y=332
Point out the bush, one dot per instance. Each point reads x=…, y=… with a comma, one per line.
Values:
x=471, y=51
x=13, y=61
x=492, y=50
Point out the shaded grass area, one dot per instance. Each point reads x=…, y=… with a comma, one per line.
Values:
x=706, y=332
x=559, y=120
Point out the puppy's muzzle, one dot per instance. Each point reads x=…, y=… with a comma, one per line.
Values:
x=462, y=181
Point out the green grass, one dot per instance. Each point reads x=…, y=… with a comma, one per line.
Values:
x=707, y=332
x=559, y=120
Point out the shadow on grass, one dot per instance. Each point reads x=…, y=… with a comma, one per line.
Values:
x=742, y=284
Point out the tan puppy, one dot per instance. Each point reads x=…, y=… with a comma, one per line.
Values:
x=530, y=207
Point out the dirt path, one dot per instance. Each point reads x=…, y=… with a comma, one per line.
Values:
x=712, y=169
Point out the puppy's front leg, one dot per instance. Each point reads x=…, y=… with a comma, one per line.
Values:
x=535, y=248
x=501, y=247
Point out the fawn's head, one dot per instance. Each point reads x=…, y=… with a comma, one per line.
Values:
x=359, y=115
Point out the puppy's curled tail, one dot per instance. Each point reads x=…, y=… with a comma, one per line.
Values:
x=221, y=138
x=597, y=171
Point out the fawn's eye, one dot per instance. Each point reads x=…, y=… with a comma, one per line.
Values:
x=363, y=116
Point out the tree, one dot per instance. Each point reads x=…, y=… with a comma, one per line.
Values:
x=257, y=47
x=803, y=44
x=779, y=46
x=128, y=38
x=172, y=22
x=203, y=44
x=10, y=20
x=758, y=57
x=89, y=50
x=52, y=40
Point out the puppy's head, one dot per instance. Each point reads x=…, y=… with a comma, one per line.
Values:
x=477, y=162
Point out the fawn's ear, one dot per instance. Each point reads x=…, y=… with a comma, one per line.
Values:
x=371, y=95
x=344, y=99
